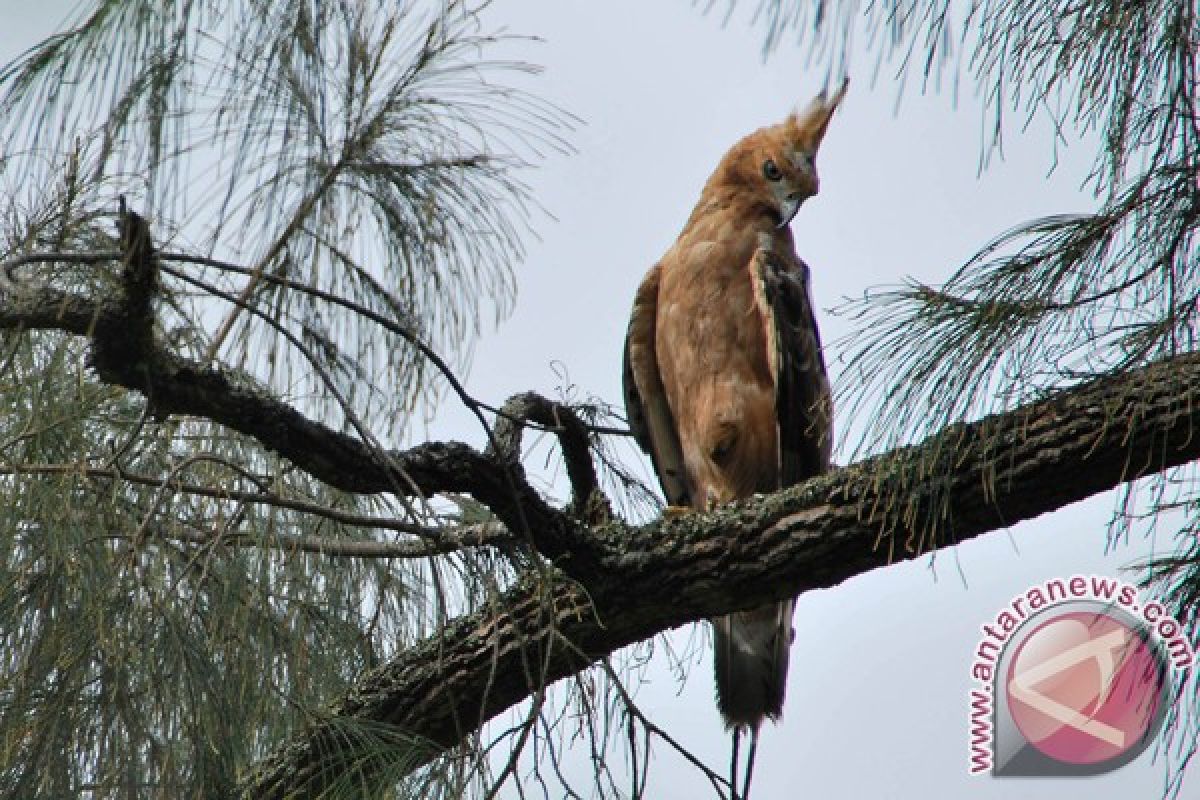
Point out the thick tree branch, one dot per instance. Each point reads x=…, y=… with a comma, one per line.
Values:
x=969, y=479
x=47, y=309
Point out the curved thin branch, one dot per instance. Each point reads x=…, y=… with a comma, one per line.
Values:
x=8, y=279
x=444, y=542
x=437, y=541
x=572, y=433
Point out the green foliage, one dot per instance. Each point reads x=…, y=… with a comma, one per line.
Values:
x=172, y=599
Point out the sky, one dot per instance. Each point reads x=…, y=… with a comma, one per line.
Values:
x=880, y=670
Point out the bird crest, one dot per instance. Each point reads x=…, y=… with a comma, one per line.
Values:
x=804, y=129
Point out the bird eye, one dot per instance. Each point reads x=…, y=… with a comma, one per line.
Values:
x=771, y=171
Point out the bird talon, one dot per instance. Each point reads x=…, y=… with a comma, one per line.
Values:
x=674, y=512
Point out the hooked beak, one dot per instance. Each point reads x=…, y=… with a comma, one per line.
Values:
x=788, y=208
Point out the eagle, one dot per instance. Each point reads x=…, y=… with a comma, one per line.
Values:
x=724, y=380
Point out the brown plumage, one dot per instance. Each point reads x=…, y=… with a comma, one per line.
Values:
x=725, y=384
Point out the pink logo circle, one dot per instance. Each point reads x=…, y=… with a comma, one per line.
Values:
x=1084, y=688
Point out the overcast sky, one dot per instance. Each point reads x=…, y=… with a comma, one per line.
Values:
x=877, y=695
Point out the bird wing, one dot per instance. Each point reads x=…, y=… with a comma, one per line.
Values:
x=646, y=405
x=751, y=647
x=803, y=401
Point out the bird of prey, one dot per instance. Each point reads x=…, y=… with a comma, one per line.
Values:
x=725, y=383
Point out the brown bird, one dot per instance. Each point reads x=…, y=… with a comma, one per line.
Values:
x=725, y=383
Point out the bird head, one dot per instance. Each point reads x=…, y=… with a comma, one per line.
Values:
x=779, y=162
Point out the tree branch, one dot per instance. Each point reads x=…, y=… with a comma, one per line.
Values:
x=428, y=541
x=449, y=541
x=572, y=434
x=970, y=479
x=124, y=354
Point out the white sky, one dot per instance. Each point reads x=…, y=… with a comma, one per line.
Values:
x=880, y=667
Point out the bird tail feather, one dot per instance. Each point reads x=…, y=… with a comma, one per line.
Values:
x=751, y=663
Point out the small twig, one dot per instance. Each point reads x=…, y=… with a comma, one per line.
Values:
x=467, y=536
x=572, y=438
x=437, y=541
x=119, y=451
x=718, y=781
